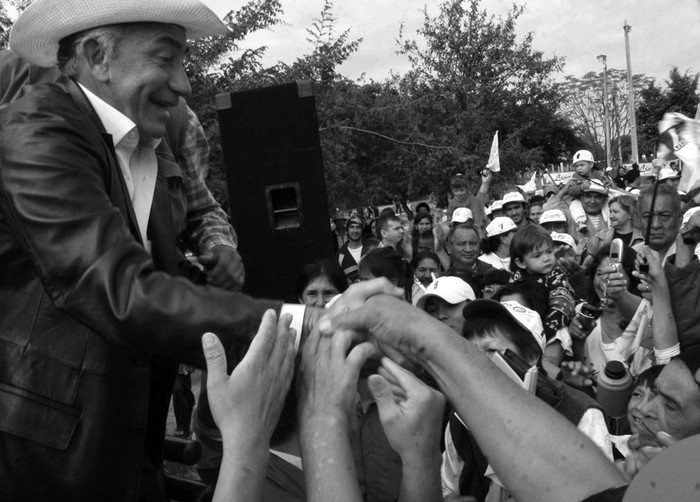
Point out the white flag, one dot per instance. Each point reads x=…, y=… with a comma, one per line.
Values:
x=494, y=163
x=680, y=135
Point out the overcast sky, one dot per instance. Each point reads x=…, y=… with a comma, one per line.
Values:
x=664, y=33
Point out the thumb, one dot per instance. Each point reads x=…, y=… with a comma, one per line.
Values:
x=382, y=393
x=215, y=357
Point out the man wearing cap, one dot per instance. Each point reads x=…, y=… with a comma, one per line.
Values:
x=594, y=199
x=93, y=318
x=554, y=220
x=349, y=253
x=494, y=328
x=496, y=247
x=445, y=298
x=515, y=208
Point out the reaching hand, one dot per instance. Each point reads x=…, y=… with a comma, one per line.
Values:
x=329, y=374
x=409, y=410
x=224, y=267
x=654, y=276
x=248, y=403
x=376, y=319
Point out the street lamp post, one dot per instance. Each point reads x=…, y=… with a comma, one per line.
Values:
x=630, y=95
x=606, y=120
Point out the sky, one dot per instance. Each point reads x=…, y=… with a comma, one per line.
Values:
x=664, y=33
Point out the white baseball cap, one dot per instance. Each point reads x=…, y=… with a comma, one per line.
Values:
x=563, y=238
x=512, y=197
x=497, y=205
x=449, y=288
x=500, y=225
x=462, y=214
x=525, y=317
x=552, y=216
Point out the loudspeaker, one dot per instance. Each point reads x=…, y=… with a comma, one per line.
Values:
x=276, y=185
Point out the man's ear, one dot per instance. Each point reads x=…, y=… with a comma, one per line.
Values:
x=96, y=59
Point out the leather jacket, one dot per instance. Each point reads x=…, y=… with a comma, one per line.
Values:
x=86, y=314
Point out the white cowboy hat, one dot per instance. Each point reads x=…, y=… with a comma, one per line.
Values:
x=39, y=28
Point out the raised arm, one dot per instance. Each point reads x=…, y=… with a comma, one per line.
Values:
x=327, y=399
x=411, y=415
x=538, y=454
x=663, y=324
x=246, y=405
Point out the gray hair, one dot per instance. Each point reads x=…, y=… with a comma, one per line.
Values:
x=70, y=53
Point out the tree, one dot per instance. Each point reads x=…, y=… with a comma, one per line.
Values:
x=679, y=96
x=7, y=18
x=583, y=104
x=470, y=76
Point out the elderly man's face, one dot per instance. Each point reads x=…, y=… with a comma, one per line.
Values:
x=673, y=406
x=146, y=77
x=464, y=247
x=593, y=202
x=665, y=222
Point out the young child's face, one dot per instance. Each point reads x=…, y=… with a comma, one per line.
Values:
x=640, y=394
x=539, y=261
x=583, y=168
x=460, y=193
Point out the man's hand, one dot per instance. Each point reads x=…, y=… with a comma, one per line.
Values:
x=486, y=175
x=410, y=411
x=395, y=326
x=224, y=267
x=655, y=275
x=642, y=455
x=328, y=379
x=246, y=406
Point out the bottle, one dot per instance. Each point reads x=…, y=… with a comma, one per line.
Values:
x=614, y=389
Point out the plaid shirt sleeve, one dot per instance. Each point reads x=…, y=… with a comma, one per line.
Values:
x=207, y=224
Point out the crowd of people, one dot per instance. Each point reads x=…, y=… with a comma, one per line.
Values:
x=514, y=349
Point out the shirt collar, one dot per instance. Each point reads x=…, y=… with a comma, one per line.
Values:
x=116, y=123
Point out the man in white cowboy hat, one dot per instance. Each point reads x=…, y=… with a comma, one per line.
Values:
x=93, y=318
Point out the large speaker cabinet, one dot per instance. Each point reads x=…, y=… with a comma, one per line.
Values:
x=276, y=186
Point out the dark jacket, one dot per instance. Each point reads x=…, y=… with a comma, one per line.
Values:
x=90, y=323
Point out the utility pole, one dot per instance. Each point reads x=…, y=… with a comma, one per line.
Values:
x=606, y=119
x=630, y=95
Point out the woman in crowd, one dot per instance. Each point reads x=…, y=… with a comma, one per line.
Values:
x=605, y=341
x=320, y=281
x=422, y=236
x=624, y=224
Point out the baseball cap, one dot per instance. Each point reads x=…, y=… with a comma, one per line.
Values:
x=461, y=214
x=552, y=216
x=500, y=225
x=525, y=317
x=497, y=205
x=512, y=197
x=563, y=238
x=449, y=288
